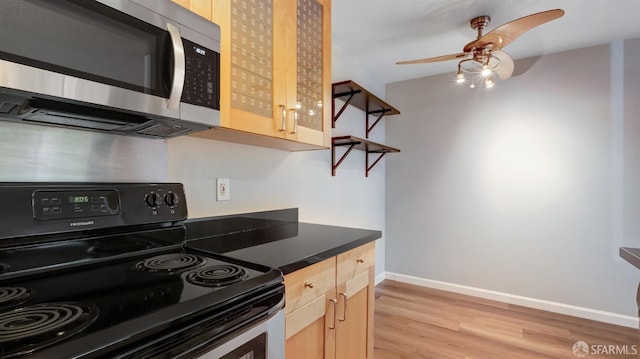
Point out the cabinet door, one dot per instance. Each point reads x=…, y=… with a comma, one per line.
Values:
x=311, y=329
x=252, y=90
x=354, y=334
x=309, y=86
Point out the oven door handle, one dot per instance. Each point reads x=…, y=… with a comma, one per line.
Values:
x=178, y=68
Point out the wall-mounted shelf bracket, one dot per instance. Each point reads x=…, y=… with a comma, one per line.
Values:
x=352, y=142
x=361, y=98
x=334, y=115
x=380, y=114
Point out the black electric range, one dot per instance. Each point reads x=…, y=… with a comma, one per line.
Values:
x=100, y=270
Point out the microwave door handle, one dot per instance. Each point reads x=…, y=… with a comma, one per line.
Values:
x=178, y=68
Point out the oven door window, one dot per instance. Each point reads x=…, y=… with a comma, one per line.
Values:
x=253, y=349
x=88, y=40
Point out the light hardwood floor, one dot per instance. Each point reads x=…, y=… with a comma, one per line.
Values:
x=417, y=322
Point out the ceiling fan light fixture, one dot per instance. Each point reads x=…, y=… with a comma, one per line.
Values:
x=486, y=71
x=460, y=76
x=489, y=82
x=483, y=58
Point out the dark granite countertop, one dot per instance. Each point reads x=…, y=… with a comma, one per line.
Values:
x=276, y=241
x=631, y=255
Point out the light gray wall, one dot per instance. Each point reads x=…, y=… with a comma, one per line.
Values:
x=631, y=144
x=528, y=188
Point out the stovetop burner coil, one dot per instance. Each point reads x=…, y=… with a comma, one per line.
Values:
x=217, y=275
x=25, y=330
x=170, y=263
x=11, y=297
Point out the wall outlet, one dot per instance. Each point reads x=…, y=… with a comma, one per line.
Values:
x=223, y=191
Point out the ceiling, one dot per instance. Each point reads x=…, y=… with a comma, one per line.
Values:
x=376, y=34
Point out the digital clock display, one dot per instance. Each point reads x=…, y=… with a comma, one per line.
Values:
x=80, y=203
x=79, y=199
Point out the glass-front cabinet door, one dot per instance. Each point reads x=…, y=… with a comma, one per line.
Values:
x=313, y=75
x=247, y=59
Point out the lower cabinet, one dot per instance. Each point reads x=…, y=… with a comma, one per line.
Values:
x=310, y=330
x=354, y=329
x=329, y=307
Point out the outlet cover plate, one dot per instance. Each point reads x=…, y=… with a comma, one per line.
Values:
x=223, y=190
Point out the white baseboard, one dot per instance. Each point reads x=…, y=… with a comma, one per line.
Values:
x=593, y=314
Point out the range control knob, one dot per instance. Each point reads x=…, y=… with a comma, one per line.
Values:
x=151, y=199
x=170, y=199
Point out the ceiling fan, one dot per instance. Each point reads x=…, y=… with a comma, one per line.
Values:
x=483, y=56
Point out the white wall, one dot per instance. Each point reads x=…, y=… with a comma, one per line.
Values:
x=516, y=189
x=265, y=179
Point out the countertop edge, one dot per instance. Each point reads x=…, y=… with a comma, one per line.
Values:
x=631, y=255
x=319, y=257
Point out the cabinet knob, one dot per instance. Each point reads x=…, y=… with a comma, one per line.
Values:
x=308, y=285
x=360, y=260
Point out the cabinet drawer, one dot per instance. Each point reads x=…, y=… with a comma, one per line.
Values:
x=355, y=261
x=307, y=284
x=305, y=316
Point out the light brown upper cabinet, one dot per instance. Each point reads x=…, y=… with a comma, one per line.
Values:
x=275, y=72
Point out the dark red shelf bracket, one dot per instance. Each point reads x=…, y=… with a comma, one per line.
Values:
x=334, y=164
x=352, y=142
x=380, y=114
x=366, y=172
x=374, y=109
x=334, y=115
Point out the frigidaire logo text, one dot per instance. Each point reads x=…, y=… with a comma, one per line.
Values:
x=81, y=224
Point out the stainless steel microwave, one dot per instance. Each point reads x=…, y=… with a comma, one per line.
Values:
x=139, y=67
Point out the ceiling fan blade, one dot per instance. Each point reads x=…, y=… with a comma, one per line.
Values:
x=505, y=69
x=505, y=34
x=434, y=59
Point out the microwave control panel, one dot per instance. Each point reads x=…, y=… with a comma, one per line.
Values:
x=202, y=76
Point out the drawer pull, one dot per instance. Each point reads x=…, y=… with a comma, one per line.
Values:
x=308, y=285
x=344, y=312
x=360, y=260
x=334, y=304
